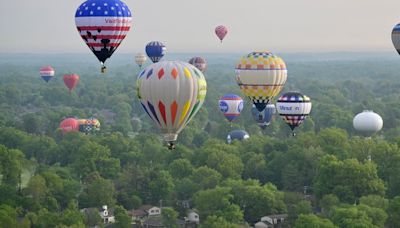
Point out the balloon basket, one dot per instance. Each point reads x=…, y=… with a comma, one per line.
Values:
x=171, y=145
x=103, y=69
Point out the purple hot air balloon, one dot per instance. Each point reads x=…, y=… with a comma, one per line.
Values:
x=199, y=63
x=221, y=32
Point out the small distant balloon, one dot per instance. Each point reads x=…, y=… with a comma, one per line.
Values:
x=199, y=62
x=140, y=59
x=294, y=108
x=89, y=125
x=396, y=37
x=71, y=81
x=221, y=32
x=155, y=50
x=47, y=73
x=237, y=135
x=263, y=118
x=231, y=105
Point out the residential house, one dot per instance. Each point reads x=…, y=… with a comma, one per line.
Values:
x=107, y=215
x=271, y=221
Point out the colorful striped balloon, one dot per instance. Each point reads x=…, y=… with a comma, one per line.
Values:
x=199, y=62
x=47, y=73
x=171, y=93
x=103, y=24
x=221, y=32
x=294, y=108
x=261, y=76
x=231, y=105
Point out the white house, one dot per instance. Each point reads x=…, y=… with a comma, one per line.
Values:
x=107, y=215
x=271, y=221
x=154, y=211
x=193, y=217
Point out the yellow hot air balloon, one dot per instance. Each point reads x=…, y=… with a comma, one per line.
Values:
x=261, y=76
x=171, y=93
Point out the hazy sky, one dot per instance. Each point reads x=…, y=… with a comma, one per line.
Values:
x=188, y=25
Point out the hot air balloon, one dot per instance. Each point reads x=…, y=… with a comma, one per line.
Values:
x=368, y=123
x=221, y=32
x=199, y=62
x=89, y=125
x=140, y=59
x=171, y=93
x=263, y=118
x=155, y=50
x=294, y=108
x=237, y=135
x=103, y=24
x=70, y=81
x=231, y=105
x=69, y=125
x=396, y=37
x=47, y=73
x=261, y=76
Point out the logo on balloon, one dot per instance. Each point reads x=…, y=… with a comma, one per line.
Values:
x=223, y=106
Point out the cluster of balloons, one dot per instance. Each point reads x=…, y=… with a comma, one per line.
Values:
x=82, y=125
x=70, y=80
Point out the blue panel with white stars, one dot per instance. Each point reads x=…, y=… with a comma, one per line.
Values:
x=103, y=8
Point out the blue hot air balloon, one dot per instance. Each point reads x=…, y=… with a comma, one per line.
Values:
x=155, y=50
x=237, y=135
x=231, y=105
x=263, y=118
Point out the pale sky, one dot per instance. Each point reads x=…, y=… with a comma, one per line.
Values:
x=40, y=26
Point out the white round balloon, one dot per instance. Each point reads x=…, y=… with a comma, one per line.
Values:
x=368, y=122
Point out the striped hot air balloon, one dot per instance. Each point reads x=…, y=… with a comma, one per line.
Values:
x=47, y=73
x=294, y=108
x=171, y=93
x=231, y=105
x=396, y=37
x=140, y=59
x=221, y=32
x=155, y=50
x=103, y=24
x=261, y=76
x=199, y=62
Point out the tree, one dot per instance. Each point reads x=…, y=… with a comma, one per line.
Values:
x=180, y=168
x=169, y=217
x=310, y=220
x=8, y=216
x=123, y=220
x=214, y=221
x=161, y=186
x=328, y=202
x=394, y=212
x=97, y=193
x=350, y=217
x=206, y=177
x=10, y=166
x=218, y=202
x=92, y=218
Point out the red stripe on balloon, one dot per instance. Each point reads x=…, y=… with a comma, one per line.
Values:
x=174, y=109
x=161, y=107
x=160, y=73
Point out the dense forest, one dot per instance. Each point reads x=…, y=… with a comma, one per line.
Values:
x=326, y=176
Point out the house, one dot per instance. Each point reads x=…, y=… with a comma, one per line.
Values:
x=107, y=215
x=271, y=221
x=143, y=212
x=192, y=217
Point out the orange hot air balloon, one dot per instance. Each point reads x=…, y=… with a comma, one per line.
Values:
x=71, y=81
x=69, y=125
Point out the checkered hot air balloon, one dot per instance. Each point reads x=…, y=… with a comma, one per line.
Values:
x=199, y=62
x=261, y=76
x=221, y=32
x=171, y=93
x=155, y=50
x=231, y=105
x=294, y=108
x=47, y=73
x=103, y=24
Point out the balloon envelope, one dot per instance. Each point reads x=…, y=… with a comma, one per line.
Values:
x=396, y=37
x=368, y=122
x=261, y=76
x=294, y=108
x=47, y=73
x=71, y=81
x=231, y=105
x=103, y=25
x=89, y=125
x=140, y=59
x=237, y=135
x=264, y=117
x=155, y=50
x=221, y=32
x=199, y=62
x=69, y=125
x=171, y=93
